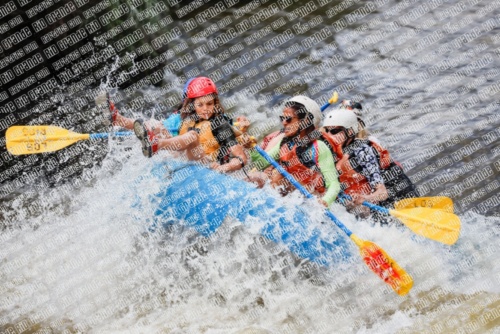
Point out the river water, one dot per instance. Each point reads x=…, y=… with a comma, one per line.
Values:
x=75, y=256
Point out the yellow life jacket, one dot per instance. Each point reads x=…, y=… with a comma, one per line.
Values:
x=207, y=140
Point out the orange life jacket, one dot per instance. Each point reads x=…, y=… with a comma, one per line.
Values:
x=310, y=177
x=351, y=181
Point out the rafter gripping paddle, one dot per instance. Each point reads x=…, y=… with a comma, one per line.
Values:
x=374, y=256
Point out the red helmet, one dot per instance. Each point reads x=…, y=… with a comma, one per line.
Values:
x=200, y=86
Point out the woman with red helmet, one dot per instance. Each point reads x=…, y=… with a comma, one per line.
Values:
x=157, y=135
x=205, y=132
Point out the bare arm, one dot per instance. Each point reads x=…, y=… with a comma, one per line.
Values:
x=237, y=161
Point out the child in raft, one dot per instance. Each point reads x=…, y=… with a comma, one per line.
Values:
x=366, y=170
x=200, y=128
x=298, y=148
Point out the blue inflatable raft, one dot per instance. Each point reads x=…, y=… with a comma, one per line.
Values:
x=202, y=198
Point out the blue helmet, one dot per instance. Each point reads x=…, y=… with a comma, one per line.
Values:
x=185, y=89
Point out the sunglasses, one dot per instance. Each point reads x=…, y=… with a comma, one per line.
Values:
x=286, y=119
x=334, y=131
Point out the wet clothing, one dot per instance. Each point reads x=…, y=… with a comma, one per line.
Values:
x=216, y=135
x=309, y=162
x=364, y=164
x=302, y=163
x=268, y=138
x=365, y=157
x=173, y=123
x=398, y=184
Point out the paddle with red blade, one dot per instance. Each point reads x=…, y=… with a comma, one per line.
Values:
x=373, y=255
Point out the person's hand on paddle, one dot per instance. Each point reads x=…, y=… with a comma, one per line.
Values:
x=350, y=205
x=322, y=202
x=355, y=208
x=358, y=199
x=359, y=210
x=247, y=141
x=243, y=123
x=378, y=195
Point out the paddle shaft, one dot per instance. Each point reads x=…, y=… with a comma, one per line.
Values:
x=106, y=135
x=368, y=204
x=300, y=188
x=333, y=99
x=326, y=105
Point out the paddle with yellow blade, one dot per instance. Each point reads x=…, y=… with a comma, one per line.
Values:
x=431, y=217
x=33, y=139
x=438, y=202
x=374, y=256
x=430, y=222
x=333, y=99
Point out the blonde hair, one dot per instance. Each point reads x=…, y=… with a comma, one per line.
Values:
x=363, y=132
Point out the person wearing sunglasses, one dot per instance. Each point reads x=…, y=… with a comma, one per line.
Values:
x=299, y=149
x=366, y=170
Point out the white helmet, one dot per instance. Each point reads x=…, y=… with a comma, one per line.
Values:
x=342, y=117
x=311, y=107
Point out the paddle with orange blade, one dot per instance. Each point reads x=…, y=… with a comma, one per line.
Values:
x=374, y=256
